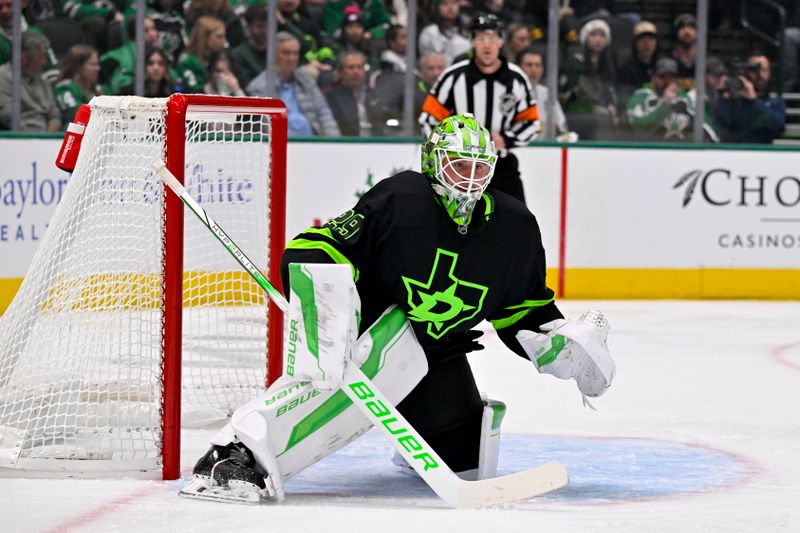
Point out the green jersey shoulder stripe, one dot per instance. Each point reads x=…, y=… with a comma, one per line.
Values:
x=523, y=309
x=337, y=256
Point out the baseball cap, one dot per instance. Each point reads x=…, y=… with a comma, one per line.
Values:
x=352, y=17
x=685, y=19
x=644, y=27
x=715, y=66
x=666, y=65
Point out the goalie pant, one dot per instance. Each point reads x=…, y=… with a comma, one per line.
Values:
x=403, y=249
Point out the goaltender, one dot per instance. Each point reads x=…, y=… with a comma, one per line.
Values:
x=449, y=252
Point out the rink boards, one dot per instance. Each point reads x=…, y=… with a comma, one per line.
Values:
x=617, y=221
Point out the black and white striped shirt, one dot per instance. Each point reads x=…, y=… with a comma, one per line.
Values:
x=503, y=101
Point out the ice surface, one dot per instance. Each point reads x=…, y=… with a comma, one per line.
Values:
x=700, y=432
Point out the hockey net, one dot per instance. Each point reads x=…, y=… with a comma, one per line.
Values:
x=129, y=320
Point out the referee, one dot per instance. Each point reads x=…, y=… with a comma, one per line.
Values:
x=496, y=92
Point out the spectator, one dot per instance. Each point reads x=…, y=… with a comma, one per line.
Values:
x=387, y=85
x=587, y=84
x=534, y=13
x=208, y=36
x=685, y=51
x=95, y=17
x=398, y=11
x=715, y=81
x=447, y=34
x=745, y=111
x=158, y=82
x=532, y=63
x=620, y=24
x=498, y=8
x=314, y=8
x=308, y=111
x=496, y=92
x=51, y=71
x=78, y=82
x=250, y=57
x=791, y=46
x=589, y=9
x=221, y=79
x=220, y=9
x=39, y=110
x=638, y=69
x=430, y=66
x=314, y=50
x=373, y=14
x=355, y=37
x=170, y=26
x=118, y=66
x=348, y=97
x=519, y=38
x=36, y=10
x=661, y=111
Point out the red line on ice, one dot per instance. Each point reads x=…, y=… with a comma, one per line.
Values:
x=780, y=355
x=107, y=508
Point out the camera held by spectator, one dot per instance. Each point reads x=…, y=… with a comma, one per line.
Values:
x=734, y=86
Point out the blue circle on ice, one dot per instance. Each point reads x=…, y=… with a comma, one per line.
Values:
x=601, y=470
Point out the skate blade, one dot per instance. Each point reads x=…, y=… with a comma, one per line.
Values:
x=200, y=489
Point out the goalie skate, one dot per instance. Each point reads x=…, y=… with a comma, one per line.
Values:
x=226, y=474
x=201, y=488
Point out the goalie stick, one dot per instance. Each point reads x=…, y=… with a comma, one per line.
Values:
x=455, y=491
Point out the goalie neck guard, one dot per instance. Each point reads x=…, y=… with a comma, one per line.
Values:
x=459, y=158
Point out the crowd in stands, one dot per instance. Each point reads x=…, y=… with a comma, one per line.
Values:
x=341, y=63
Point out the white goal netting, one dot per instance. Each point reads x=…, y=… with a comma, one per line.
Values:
x=81, y=345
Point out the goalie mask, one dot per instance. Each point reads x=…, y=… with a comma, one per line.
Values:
x=458, y=158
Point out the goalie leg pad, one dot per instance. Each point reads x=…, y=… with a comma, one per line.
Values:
x=294, y=425
x=493, y=413
x=322, y=323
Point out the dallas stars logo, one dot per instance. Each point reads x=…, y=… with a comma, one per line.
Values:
x=444, y=301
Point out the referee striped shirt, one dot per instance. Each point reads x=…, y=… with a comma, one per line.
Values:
x=503, y=101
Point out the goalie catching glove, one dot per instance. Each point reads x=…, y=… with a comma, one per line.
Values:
x=573, y=349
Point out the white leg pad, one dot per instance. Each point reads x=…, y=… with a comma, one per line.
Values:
x=493, y=413
x=224, y=436
x=294, y=425
x=322, y=323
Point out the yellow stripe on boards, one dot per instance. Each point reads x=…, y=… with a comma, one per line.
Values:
x=131, y=291
x=8, y=288
x=238, y=288
x=700, y=283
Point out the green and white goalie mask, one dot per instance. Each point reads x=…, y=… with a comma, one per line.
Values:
x=458, y=158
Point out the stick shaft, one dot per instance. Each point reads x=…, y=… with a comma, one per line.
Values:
x=173, y=183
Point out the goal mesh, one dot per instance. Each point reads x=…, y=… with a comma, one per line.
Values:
x=82, y=344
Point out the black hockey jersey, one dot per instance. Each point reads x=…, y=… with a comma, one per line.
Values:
x=404, y=249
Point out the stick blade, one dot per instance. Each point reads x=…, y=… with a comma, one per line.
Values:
x=513, y=487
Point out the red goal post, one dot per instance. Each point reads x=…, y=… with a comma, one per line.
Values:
x=177, y=108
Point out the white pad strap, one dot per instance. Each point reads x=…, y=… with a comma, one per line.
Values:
x=573, y=349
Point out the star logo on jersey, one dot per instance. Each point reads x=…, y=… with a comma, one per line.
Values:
x=444, y=301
